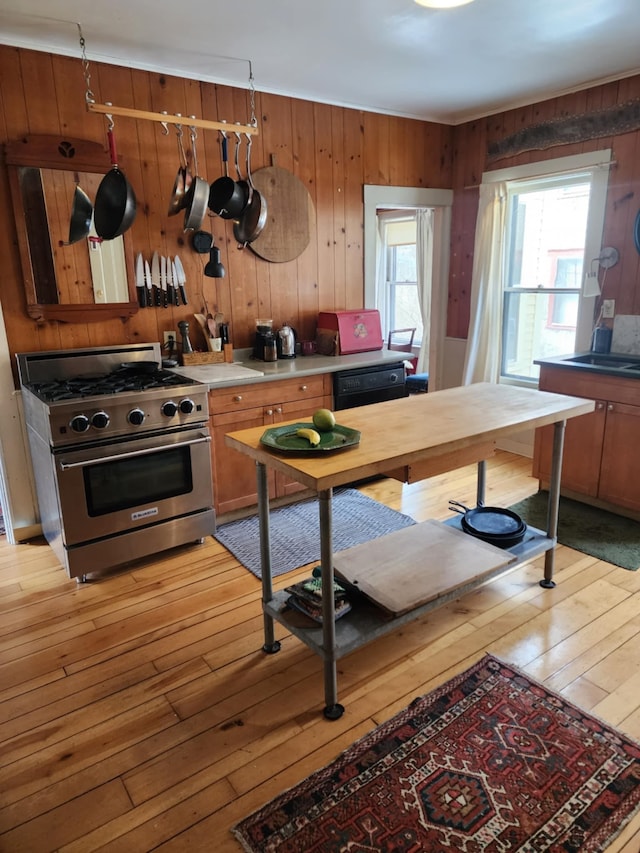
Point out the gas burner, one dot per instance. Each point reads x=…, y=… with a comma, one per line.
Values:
x=107, y=384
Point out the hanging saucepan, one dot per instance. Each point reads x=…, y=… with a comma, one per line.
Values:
x=183, y=179
x=197, y=197
x=496, y=525
x=81, y=213
x=250, y=224
x=226, y=197
x=115, y=205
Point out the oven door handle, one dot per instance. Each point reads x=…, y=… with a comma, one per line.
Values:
x=86, y=463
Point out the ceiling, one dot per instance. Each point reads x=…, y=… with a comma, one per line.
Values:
x=385, y=56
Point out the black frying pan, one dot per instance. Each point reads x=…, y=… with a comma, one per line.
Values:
x=497, y=525
x=115, y=205
x=227, y=198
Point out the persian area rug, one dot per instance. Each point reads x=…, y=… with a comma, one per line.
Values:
x=295, y=530
x=586, y=528
x=490, y=761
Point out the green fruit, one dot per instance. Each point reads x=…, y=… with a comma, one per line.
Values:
x=310, y=434
x=324, y=420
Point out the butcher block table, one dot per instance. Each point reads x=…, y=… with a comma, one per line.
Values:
x=426, y=434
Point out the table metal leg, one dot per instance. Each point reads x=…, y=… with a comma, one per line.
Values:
x=271, y=645
x=554, y=502
x=481, y=482
x=333, y=710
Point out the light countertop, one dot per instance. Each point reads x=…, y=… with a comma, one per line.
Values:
x=245, y=370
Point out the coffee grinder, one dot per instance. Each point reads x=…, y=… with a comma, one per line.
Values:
x=265, y=339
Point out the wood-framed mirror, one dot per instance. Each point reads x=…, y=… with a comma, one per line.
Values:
x=88, y=280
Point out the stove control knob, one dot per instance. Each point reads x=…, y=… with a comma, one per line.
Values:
x=100, y=420
x=187, y=406
x=136, y=417
x=80, y=423
x=169, y=409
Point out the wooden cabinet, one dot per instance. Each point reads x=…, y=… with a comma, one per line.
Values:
x=601, y=450
x=259, y=404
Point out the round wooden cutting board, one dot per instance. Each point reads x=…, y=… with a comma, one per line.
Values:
x=290, y=215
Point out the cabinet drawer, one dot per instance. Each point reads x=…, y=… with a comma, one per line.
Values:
x=591, y=385
x=268, y=393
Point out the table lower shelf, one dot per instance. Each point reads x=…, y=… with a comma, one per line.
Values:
x=366, y=622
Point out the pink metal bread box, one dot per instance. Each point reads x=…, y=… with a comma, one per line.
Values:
x=358, y=331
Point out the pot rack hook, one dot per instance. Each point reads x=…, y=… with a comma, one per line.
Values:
x=109, y=117
x=165, y=125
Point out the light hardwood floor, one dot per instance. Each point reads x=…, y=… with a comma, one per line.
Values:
x=138, y=713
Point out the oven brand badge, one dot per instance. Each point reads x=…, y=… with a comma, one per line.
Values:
x=144, y=513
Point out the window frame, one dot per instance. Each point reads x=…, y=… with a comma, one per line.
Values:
x=392, y=283
x=592, y=166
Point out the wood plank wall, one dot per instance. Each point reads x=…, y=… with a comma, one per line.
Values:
x=333, y=150
x=470, y=160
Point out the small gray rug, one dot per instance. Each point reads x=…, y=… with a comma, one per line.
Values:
x=295, y=530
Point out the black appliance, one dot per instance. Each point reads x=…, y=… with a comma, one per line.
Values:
x=265, y=346
x=365, y=385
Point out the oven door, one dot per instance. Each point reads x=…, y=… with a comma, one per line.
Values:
x=135, y=483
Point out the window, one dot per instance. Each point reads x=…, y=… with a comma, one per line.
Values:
x=539, y=231
x=381, y=201
x=546, y=233
x=402, y=308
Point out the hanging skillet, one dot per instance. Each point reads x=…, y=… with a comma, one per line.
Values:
x=227, y=198
x=183, y=179
x=197, y=197
x=115, y=205
x=254, y=217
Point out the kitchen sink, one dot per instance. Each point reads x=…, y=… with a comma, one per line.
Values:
x=597, y=360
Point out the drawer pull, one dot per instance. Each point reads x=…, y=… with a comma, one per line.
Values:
x=269, y=412
x=610, y=407
x=304, y=387
x=279, y=410
x=237, y=398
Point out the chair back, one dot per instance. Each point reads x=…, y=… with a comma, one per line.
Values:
x=401, y=339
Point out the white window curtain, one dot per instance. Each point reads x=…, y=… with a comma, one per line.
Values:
x=482, y=359
x=424, y=265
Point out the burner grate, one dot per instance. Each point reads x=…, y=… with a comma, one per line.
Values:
x=108, y=384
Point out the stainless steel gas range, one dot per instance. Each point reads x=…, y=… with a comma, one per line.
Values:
x=121, y=454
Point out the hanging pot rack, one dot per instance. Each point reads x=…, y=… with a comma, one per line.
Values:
x=163, y=118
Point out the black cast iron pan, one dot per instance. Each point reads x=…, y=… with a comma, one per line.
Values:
x=497, y=525
x=115, y=204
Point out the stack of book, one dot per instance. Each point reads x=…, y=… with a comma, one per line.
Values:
x=306, y=597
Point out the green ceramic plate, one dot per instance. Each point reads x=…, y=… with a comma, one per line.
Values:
x=285, y=438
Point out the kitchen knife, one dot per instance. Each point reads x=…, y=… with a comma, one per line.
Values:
x=142, y=293
x=170, y=291
x=174, y=276
x=182, y=280
x=155, y=278
x=147, y=278
x=163, y=280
